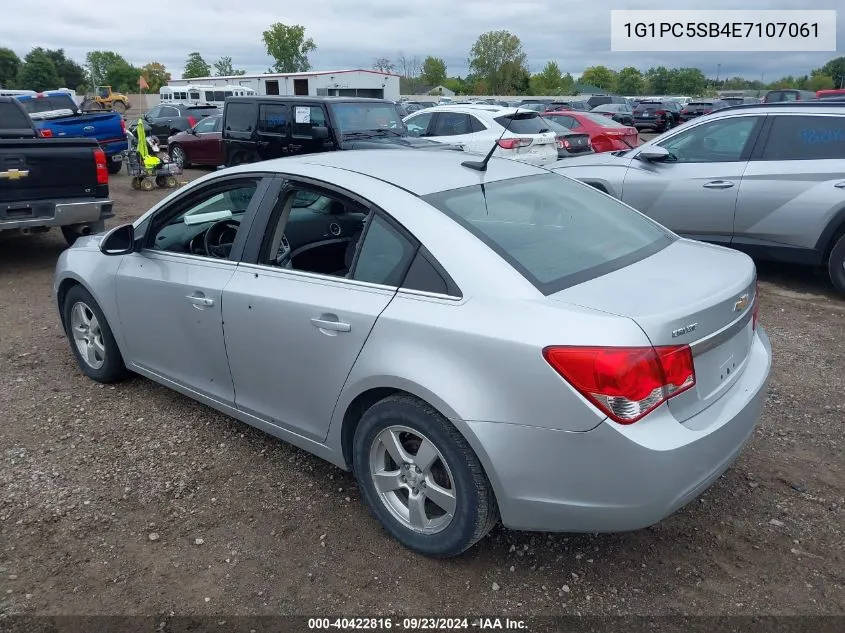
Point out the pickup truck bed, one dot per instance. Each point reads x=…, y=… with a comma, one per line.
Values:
x=47, y=182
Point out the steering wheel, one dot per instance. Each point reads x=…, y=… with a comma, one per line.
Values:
x=219, y=238
x=283, y=257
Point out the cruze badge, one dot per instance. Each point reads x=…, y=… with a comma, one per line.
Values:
x=741, y=303
x=684, y=330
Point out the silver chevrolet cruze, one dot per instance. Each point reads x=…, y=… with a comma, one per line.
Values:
x=473, y=344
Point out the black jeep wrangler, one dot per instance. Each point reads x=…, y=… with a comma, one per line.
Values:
x=260, y=128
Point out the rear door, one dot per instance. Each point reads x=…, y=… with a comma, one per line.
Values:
x=795, y=182
x=694, y=192
x=273, y=136
x=292, y=335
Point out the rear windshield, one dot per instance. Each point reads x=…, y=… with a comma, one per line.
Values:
x=700, y=104
x=554, y=231
x=604, y=121
x=11, y=118
x=48, y=104
x=203, y=110
x=650, y=105
x=523, y=123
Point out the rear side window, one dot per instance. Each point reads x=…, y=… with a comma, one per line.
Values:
x=555, y=232
x=476, y=125
x=806, y=138
x=240, y=117
x=452, y=124
x=527, y=123
x=603, y=121
x=11, y=118
x=272, y=118
x=385, y=254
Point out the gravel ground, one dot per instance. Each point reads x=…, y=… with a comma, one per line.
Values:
x=135, y=500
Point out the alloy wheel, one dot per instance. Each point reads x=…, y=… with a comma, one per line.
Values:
x=87, y=335
x=413, y=480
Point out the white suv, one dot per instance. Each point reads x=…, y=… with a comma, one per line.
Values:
x=477, y=127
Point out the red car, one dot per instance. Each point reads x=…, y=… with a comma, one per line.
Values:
x=199, y=145
x=606, y=135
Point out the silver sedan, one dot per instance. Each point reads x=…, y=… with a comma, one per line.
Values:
x=472, y=344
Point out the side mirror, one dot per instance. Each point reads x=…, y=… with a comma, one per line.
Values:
x=653, y=153
x=119, y=241
x=320, y=133
x=192, y=131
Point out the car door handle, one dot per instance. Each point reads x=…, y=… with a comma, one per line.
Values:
x=718, y=184
x=326, y=322
x=200, y=301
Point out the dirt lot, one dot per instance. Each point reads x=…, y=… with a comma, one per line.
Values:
x=105, y=493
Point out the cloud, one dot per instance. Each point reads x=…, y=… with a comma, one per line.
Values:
x=352, y=34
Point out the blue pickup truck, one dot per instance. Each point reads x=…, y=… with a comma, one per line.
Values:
x=56, y=115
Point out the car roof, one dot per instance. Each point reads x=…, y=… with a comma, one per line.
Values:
x=253, y=98
x=417, y=171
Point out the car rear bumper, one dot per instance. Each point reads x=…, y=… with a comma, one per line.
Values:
x=656, y=122
x=23, y=215
x=617, y=478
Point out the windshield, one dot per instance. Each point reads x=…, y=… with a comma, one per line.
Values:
x=367, y=117
x=554, y=231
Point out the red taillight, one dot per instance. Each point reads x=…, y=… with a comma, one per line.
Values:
x=123, y=126
x=45, y=133
x=192, y=121
x=660, y=113
x=102, y=167
x=567, y=144
x=626, y=383
x=513, y=143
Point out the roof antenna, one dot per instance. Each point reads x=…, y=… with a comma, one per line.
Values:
x=481, y=165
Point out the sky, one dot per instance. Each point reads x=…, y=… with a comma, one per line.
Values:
x=574, y=33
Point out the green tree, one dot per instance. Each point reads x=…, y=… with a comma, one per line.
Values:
x=289, y=48
x=38, y=72
x=819, y=81
x=630, y=81
x=599, y=76
x=498, y=60
x=548, y=81
x=384, y=65
x=688, y=81
x=196, y=66
x=223, y=68
x=658, y=80
x=737, y=83
x=457, y=85
x=100, y=63
x=835, y=69
x=10, y=66
x=156, y=76
x=433, y=71
x=71, y=74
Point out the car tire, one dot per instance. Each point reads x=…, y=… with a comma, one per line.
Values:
x=836, y=264
x=454, y=469
x=114, y=166
x=178, y=156
x=87, y=330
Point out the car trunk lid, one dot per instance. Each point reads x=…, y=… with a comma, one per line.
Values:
x=688, y=293
x=574, y=143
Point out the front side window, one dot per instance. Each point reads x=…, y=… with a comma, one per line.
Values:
x=806, y=138
x=418, y=124
x=206, y=224
x=205, y=126
x=306, y=118
x=720, y=141
x=555, y=232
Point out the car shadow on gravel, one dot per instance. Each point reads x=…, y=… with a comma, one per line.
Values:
x=37, y=251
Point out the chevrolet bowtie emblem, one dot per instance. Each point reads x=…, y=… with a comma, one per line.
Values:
x=14, y=174
x=741, y=303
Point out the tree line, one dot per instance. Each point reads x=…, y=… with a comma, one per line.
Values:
x=497, y=64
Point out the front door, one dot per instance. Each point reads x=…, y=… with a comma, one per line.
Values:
x=169, y=294
x=694, y=191
x=305, y=118
x=296, y=324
